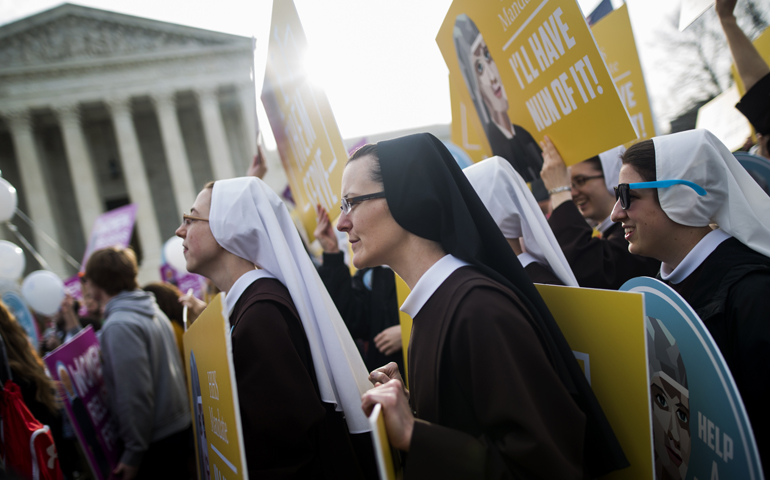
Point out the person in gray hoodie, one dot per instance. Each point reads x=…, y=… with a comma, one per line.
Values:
x=143, y=373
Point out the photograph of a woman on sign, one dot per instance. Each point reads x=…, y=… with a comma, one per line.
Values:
x=200, y=421
x=487, y=91
x=670, y=396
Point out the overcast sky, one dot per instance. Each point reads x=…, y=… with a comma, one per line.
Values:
x=377, y=60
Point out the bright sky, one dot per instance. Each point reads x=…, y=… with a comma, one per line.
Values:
x=377, y=60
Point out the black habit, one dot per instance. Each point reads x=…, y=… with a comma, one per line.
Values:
x=730, y=292
x=288, y=432
x=540, y=273
x=597, y=262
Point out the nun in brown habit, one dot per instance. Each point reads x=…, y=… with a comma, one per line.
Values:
x=495, y=389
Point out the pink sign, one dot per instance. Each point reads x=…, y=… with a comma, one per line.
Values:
x=110, y=229
x=76, y=367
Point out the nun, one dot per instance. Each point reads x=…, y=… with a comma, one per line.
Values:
x=495, y=391
x=599, y=258
x=516, y=212
x=296, y=366
x=673, y=188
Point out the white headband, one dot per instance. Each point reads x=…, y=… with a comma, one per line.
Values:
x=249, y=220
x=516, y=212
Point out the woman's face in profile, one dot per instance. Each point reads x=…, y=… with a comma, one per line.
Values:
x=670, y=426
x=488, y=78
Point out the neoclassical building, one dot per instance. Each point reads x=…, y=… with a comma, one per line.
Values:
x=100, y=109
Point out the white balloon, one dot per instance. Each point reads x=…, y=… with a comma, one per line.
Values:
x=8, y=200
x=43, y=291
x=12, y=261
x=173, y=251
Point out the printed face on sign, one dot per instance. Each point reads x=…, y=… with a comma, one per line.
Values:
x=671, y=426
x=490, y=85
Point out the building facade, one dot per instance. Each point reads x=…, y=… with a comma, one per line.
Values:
x=100, y=109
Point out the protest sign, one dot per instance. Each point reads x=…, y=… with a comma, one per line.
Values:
x=110, y=229
x=467, y=132
x=76, y=367
x=605, y=330
x=758, y=167
x=616, y=41
x=691, y=10
x=402, y=291
x=382, y=450
x=700, y=426
x=215, y=411
x=532, y=69
x=24, y=316
x=725, y=121
x=309, y=142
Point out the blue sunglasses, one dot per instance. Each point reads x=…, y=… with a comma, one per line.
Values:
x=622, y=190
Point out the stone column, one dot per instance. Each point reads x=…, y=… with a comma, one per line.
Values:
x=179, y=166
x=87, y=195
x=216, y=139
x=138, y=187
x=35, y=191
x=249, y=120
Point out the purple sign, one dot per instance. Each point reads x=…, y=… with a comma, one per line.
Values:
x=110, y=229
x=76, y=367
x=74, y=289
x=184, y=281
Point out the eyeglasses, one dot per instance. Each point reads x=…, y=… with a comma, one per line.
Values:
x=581, y=180
x=349, y=203
x=188, y=219
x=622, y=190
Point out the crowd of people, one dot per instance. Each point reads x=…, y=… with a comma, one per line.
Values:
x=494, y=389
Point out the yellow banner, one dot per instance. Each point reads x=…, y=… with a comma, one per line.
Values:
x=615, y=38
x=467, y=132
x=762, y=44
x=402, y=291
x=606, y=332
x=309, y=142
x=532, y=68
x=214, y=396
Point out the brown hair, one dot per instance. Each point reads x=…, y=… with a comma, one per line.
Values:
x=370, y=149
x=209, y=185
x=24, y=361
x=113, y=269
x=641, y=156
x=167, y=296
x=595, y=162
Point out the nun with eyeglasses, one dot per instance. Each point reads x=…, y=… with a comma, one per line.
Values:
x=685, y=200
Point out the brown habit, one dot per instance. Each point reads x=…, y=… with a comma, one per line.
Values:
x=488, y=401
x=288, y=431
x=597, y=262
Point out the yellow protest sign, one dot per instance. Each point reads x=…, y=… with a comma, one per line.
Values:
x=721, y=118
x=762, y=44
x=606, y=332
x=309, y=142
x=615, y=38
x=382, y=449
x=214, y=396
x=402, y=291
x=467, y=132
x=532, y=69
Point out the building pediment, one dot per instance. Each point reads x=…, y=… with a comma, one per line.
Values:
x=72, y=34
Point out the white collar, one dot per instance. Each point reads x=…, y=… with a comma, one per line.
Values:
x=695, y=257
x=429, y=283
x=240, y=286
x=607, y=223
x=525, y=259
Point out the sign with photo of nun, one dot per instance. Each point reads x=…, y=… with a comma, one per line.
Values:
x=76, y=367
x=605, y=330
x=616, y=41
x=211, y=386
x=309, y=142
x=699, y=423
x=532, y=68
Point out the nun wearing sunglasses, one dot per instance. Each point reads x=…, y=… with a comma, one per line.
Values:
x=672, y=190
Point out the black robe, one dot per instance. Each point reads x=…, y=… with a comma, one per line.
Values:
x=597, y=262
x=755, y=105
x=522, y=151
x=488, y=402
x=540, y=273
x=288, y=432
x=730, y=292
x=365, y=312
